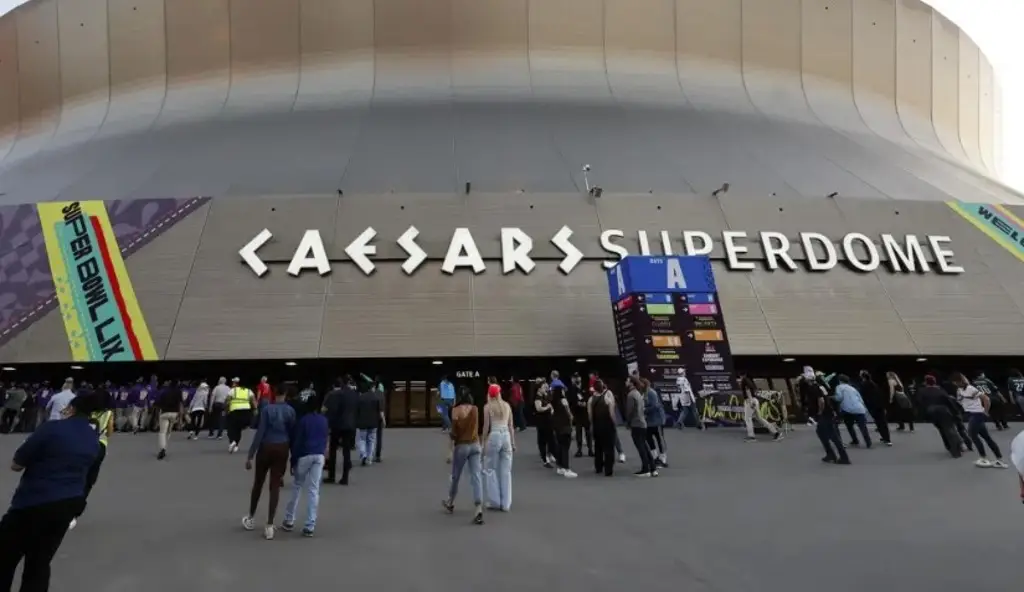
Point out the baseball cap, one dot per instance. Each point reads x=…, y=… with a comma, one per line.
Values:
x=494, y=391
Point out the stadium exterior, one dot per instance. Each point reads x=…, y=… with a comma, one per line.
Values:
x=873, y=124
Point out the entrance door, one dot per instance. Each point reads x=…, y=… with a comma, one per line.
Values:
x=398, y=404
x=419, y=399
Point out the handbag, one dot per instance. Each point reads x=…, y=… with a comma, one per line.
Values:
x=902, y=400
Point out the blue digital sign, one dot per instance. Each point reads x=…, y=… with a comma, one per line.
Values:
x=661, y=275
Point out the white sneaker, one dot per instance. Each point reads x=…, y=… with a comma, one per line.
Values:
x=999, y=464
x=268, y=532
x=568, y=474
x=622, y=457
x=560, y=471
x=247, y=522
x=73, y=524
x=551, y=459
x=232, y=448
x=983, y=463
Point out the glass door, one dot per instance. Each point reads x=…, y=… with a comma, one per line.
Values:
x=398, y=404
x=418, y=402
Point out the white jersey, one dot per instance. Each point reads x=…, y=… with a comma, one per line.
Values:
x=685, y=396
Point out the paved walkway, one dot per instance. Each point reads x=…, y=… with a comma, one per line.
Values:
x=727, y=517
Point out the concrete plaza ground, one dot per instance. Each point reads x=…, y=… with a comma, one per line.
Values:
x=726, y=517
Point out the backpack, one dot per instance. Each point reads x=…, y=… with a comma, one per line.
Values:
x=600, y=410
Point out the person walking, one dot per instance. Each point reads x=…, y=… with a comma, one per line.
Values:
x=810, y=394
x=515, y=399
x=59, y=402
x=601, y=410
x=171, y=408
x=309, y=446
x=997, y=402
x=685, y=401
x=270, y=447
x=578, y=397
x=54, y=461
x=543, y=423
x=369, y=416
x=825, y=423
x=241, y=403
x=976, y=406
x=499, y=444
x=940, y=409
x=634, y=419
x=218, y=408
x=561, y=424
x=876, y=403
x=852, y=410
x=16, y=397
x=446, y=398
x=900, y=402
x=1015, y=388
x=340, y=408
x=197, y=409
x=466, y=455
x=654, y=415
x=102, y=421
x=752, y=410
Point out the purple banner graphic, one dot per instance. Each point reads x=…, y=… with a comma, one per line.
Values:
x=26, y=284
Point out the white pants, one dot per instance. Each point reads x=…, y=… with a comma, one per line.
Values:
x=752, y=413
x=167, y=421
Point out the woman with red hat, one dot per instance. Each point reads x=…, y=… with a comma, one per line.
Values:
x=499, y=443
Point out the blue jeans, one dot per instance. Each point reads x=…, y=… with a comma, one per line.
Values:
x=499, y=460
x=446, y=412
x=308, y=472
x=366, y=444
x=463, y=454
x=978, y=432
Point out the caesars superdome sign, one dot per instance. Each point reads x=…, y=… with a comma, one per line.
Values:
x=906, y=254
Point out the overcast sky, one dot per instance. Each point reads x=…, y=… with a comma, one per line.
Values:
x=995, y=26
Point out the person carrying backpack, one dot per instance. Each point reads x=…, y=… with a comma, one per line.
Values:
x=601, y=411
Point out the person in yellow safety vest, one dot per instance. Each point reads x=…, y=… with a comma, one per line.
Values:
x=241, y=402
x=102, y=420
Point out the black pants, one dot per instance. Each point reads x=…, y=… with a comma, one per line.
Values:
x=978, y=432
x=216, y=419
x=238, y=421
x=640, y=441
x=33, y=534
x=830, y=440
x=92, y=476
x=346, y=440
x=654, y=436
x=998, y=413
x=197, y=420
x=862, y=424
x=882, y=423
x=380, y=441
x=958, y=425
x=546, y=444
x=904, y=416
x=8, y=421
x=564, y=442
x=944, y=422
x=604, y=449
x=583, y=427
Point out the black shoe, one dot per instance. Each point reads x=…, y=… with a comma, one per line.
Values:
x=328, y=481
x=829, y=459
x=376, y=460
x=307, y=533
x=590, y=453
x=448, y=506
x=363, y=462
x=478, y=518
x=343, y=481
x=642, y=474
x=844, y=461
x=161, y=455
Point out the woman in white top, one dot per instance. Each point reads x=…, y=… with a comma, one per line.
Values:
x=499, y=443
x=975, y=405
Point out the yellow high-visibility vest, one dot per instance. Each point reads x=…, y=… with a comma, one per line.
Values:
x=99, y=421
x=239, y=399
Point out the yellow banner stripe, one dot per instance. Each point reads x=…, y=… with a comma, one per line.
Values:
x=49, y=216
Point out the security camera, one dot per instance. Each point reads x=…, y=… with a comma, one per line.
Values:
x=586, y=168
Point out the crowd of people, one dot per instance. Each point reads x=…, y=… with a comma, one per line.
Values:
x=300, y=432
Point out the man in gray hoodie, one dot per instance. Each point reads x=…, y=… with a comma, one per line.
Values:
x=218, y=407
x=638, y=427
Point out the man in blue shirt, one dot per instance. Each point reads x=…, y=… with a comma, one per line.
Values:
x=309, y=446
x=55, y=459
x=852, y=410
x=446, y=392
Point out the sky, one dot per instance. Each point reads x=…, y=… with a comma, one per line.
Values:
x=991, y=23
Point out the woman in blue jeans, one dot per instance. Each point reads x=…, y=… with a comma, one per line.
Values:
x=499, y=443
x=466, y=451
x=976, y=406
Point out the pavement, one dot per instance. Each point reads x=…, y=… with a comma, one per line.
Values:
x=727, y=516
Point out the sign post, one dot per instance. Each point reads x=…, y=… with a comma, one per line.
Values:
x=668, y=322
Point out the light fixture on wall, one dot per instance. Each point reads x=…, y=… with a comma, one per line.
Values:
x=788, y=359
x=77, y=368
x=580, y=360
x=290, y=364
x=7, y=369
x=437, y=362
x=922, y=359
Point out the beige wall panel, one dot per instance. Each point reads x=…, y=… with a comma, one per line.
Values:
x=709, y=48
x=544, y=313
x=337, y=53
x=414, y=49
x=914, y=71
x=84, y=69
x=640, y=51
x=788, y=215
x=247, y=326
x=198, y=58
x=970, y=100
x=997, y=125
x=393, y=315
x=539, y=216
x=164, y=264
x=654, y=214
x=39, y=100
x=771, y=59
x=264, y=55
x=946, y=84
x=435, y=216
x=839, y=312
x=828, y=62
x=874, y=67
x=160, y=309
x=968, y=314
x=490, y=48
x=744, y=320
x=9, y=110
x=567, y=49
x=986, y=114
x=138, y=63
x=43, y=341
x=1006, y=269
x=233, y=222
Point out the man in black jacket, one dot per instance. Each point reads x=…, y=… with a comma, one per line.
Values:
x=941, y=410
x=340, y=407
